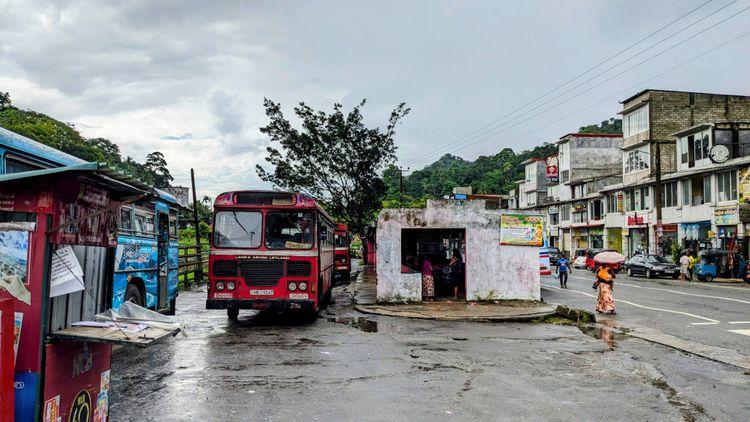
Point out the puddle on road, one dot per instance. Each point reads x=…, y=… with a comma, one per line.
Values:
x=362, y=324
x=604, y=332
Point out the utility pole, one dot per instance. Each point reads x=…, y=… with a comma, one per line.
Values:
x=198, y=247
x=401, y=171
x=658, y=199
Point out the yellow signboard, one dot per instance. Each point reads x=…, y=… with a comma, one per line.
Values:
x=521, y=229
x=744, y=186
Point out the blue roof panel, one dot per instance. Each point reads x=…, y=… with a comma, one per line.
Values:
x=14, y=141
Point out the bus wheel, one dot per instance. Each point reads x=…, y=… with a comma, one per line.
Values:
x=133, y=294
x=233, y=313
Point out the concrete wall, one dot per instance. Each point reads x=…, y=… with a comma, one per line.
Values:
x=492, y=271
x=594, y=156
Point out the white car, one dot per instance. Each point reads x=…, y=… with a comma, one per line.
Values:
x=580, y=262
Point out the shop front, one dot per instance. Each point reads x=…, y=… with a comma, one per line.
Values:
x=596, y=237
x=726, y=219
x=668, y=239
x=580, y=238
x=637, y=233
x=695, y=236
x=614, y=239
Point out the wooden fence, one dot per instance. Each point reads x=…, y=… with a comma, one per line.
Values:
x=193, y=264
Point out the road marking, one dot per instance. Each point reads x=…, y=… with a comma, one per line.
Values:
x=691, y=283
x=743, y=332
x=739, y=322
x=640, y=306
x=703, y=323
x=677, y=292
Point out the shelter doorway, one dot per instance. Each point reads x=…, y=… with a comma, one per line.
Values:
x=445, y=249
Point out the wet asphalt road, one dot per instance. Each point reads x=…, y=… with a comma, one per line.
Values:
x=708, y=313
x=348, y=366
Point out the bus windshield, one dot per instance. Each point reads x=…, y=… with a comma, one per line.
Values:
x=342, y=240
x=237, y=229
x=289, y=230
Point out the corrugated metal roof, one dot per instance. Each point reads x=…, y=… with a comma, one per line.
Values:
x=99, y=169
x=39, y=150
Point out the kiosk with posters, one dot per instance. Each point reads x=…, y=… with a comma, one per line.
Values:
x=57, y=237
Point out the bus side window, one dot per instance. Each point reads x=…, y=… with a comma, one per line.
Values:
x=125, y=219
x=149, y=225
x=173, y=228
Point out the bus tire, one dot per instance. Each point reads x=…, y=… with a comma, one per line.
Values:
x=233, y=313
x=172, y=307
x=133, y=294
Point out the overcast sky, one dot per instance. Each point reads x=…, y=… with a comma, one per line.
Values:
x=188, y=78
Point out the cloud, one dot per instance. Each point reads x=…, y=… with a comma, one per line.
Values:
x=188, y=78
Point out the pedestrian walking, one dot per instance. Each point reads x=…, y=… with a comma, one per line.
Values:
x=563, y=268
x=684, y=268
x=428, y=281
x=691, y=269
x=605, y=283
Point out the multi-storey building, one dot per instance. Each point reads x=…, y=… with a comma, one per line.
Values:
x=587, y=162
x=651, y=119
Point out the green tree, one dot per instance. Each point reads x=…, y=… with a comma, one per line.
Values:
x=4, y=100
x=612, y=125
x=333, y=157
x=109, y=150
x=157, y=166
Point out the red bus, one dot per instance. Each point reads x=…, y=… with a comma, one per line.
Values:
x=343, y=259
x=270, y=251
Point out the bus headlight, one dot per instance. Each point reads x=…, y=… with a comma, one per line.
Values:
x=303, y=286
x=219, y=285
x=292, y=286
x=231, y=285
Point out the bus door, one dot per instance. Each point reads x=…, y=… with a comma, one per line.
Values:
x=163, y=250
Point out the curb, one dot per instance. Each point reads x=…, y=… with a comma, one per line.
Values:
x=580, y=316
x=416, y=315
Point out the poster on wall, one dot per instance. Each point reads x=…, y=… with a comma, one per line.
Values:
x=744, y=185
x=726, y=215
x=552, y=168
x=521, y=229
x=66, y=274
x=14, y=255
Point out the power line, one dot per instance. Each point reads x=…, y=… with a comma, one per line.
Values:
x=631, y=88
x=475, y=133
x=490, y=134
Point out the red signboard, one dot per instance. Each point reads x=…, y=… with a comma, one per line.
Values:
x=637, y=220
x=552, y=169
x=76, y=385
x=85, y=215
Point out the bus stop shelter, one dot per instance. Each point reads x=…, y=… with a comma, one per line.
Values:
x=57, y=236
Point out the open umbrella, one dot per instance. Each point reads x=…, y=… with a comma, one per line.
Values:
x=609, y=258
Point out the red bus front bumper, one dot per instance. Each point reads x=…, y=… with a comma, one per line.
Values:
x=261, y=304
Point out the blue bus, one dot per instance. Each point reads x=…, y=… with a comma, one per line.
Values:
x=146, y=258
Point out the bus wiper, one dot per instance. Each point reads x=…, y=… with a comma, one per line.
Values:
x=251, y=234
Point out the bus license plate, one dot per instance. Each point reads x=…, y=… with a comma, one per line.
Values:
x=297, y=295
x=223, y=296
x=261, y=292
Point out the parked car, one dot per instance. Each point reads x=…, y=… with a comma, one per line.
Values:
x=590, y=254
x=544, y=265
x=579, y=258
x=554, y=255
x=651, y=266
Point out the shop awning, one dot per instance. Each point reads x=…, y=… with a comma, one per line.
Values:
x=114, y=335
x=103, y=175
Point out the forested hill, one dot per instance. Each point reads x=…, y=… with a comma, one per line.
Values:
x=65, y=137
x=487, y=174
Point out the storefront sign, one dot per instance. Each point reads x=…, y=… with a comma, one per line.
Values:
x=85, y=215
x=744, y=185
x=669, y=227
x=726, y=216
x=521, y=229
x=596, y=231
x=744, y=213
x=552, y=169
x=620, y=203
x=637, y=220
x=580, y=232
x=579, y=206
x=625, y=232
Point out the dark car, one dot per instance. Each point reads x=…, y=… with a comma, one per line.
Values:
x=651, y=266
x=554, y=255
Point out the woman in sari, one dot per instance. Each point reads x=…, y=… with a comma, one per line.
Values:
x=428, y=281
x=605, y=281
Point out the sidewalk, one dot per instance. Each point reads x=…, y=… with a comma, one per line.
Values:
x=365, y=299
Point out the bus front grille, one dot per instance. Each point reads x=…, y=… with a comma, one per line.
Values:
x=297, y=268
x=261, y=272
x=227, y=268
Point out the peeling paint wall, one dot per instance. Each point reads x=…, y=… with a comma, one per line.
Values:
x=493, y=271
